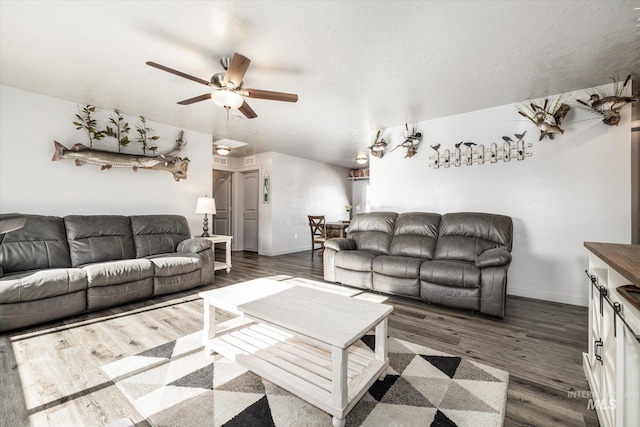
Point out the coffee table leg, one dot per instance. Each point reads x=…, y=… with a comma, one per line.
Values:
x=337, y=422
x=381, y=342
x=209, y=331
x=339, y=381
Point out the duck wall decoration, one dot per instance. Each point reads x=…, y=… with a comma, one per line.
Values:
x=378, y=146
x=548, y=117
x=608, y=107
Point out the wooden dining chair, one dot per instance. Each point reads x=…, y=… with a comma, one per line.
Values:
x=318, y=232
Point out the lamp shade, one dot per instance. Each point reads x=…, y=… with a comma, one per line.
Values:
x=206, y=205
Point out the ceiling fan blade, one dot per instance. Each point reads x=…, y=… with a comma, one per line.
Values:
x=267, y=94
x=178, y=73
x=247, y=111
x=236, y=70
x=195, y=99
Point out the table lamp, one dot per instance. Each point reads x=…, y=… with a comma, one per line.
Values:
x=206, y=205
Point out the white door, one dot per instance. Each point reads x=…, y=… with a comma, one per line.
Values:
x=222, y=196
x=250, y=193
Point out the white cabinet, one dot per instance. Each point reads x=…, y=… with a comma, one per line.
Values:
x=612, y=363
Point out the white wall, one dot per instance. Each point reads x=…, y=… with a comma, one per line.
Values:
x=31, y=183
x=299, y=187
x=573, y=189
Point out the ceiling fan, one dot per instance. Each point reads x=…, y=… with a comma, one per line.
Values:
x=228, y=88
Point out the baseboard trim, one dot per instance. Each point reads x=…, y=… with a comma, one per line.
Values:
x=284, y=251
x=548, y=296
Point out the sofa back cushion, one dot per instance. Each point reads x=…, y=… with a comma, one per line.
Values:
x=465, y=235
x=40, y=243
x=158, y=234
x=97, y=238
x=373, y=231
x=415, y=235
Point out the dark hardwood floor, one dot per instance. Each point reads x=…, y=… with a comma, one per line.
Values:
x=50, y=374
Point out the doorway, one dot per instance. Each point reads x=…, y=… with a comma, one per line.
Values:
x=222, y=196
x=250, y=191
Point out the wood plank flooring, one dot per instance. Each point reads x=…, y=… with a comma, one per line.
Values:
x=50, y=374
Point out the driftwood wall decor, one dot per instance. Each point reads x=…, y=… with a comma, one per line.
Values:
x=81, y=154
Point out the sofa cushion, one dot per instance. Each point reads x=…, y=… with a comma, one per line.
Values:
x=117, y=272
x=158, y=234
x=355, y=260
x=41, y=284
x=397, y=266
x=465, y=235
x=97, y=238
x=175, y=264
x=40, y=243
x=415, y=235
x=373, y=231
x=451, y=273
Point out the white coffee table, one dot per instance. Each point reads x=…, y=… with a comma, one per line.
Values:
x=302, y=339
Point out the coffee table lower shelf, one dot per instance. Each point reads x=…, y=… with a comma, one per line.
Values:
x=300, y=365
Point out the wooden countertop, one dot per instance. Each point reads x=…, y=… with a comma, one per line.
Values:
x=625, y=259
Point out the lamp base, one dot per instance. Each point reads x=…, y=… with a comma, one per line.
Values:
x=205, y=227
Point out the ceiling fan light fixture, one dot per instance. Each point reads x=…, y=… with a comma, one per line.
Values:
x=361, y=159
x=222, y=150
x=226, y=98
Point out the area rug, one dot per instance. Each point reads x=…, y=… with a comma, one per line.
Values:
x=177, y=384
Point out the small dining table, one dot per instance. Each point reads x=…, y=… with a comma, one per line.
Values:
x=337, y=229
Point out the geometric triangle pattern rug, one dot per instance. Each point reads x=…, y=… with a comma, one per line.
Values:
x=177, y=385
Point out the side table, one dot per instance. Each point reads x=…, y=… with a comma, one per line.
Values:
x=218, y=238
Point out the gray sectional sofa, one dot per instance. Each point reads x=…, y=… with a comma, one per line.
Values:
x=56, y=267
x=457, y=259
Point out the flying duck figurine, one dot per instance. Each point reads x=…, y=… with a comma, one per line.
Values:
x=547, y=120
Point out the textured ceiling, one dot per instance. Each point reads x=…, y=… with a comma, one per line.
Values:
x=356, y=66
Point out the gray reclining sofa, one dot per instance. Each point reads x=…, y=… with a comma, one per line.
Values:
x=457, y=259
x=56, y=267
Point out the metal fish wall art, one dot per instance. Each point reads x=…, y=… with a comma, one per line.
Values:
x=82, y=154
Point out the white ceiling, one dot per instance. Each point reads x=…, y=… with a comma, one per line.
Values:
x=357, y=66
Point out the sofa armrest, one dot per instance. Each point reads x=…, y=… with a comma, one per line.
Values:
x=194, y=245
x=493, y=258
x=340, y=244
